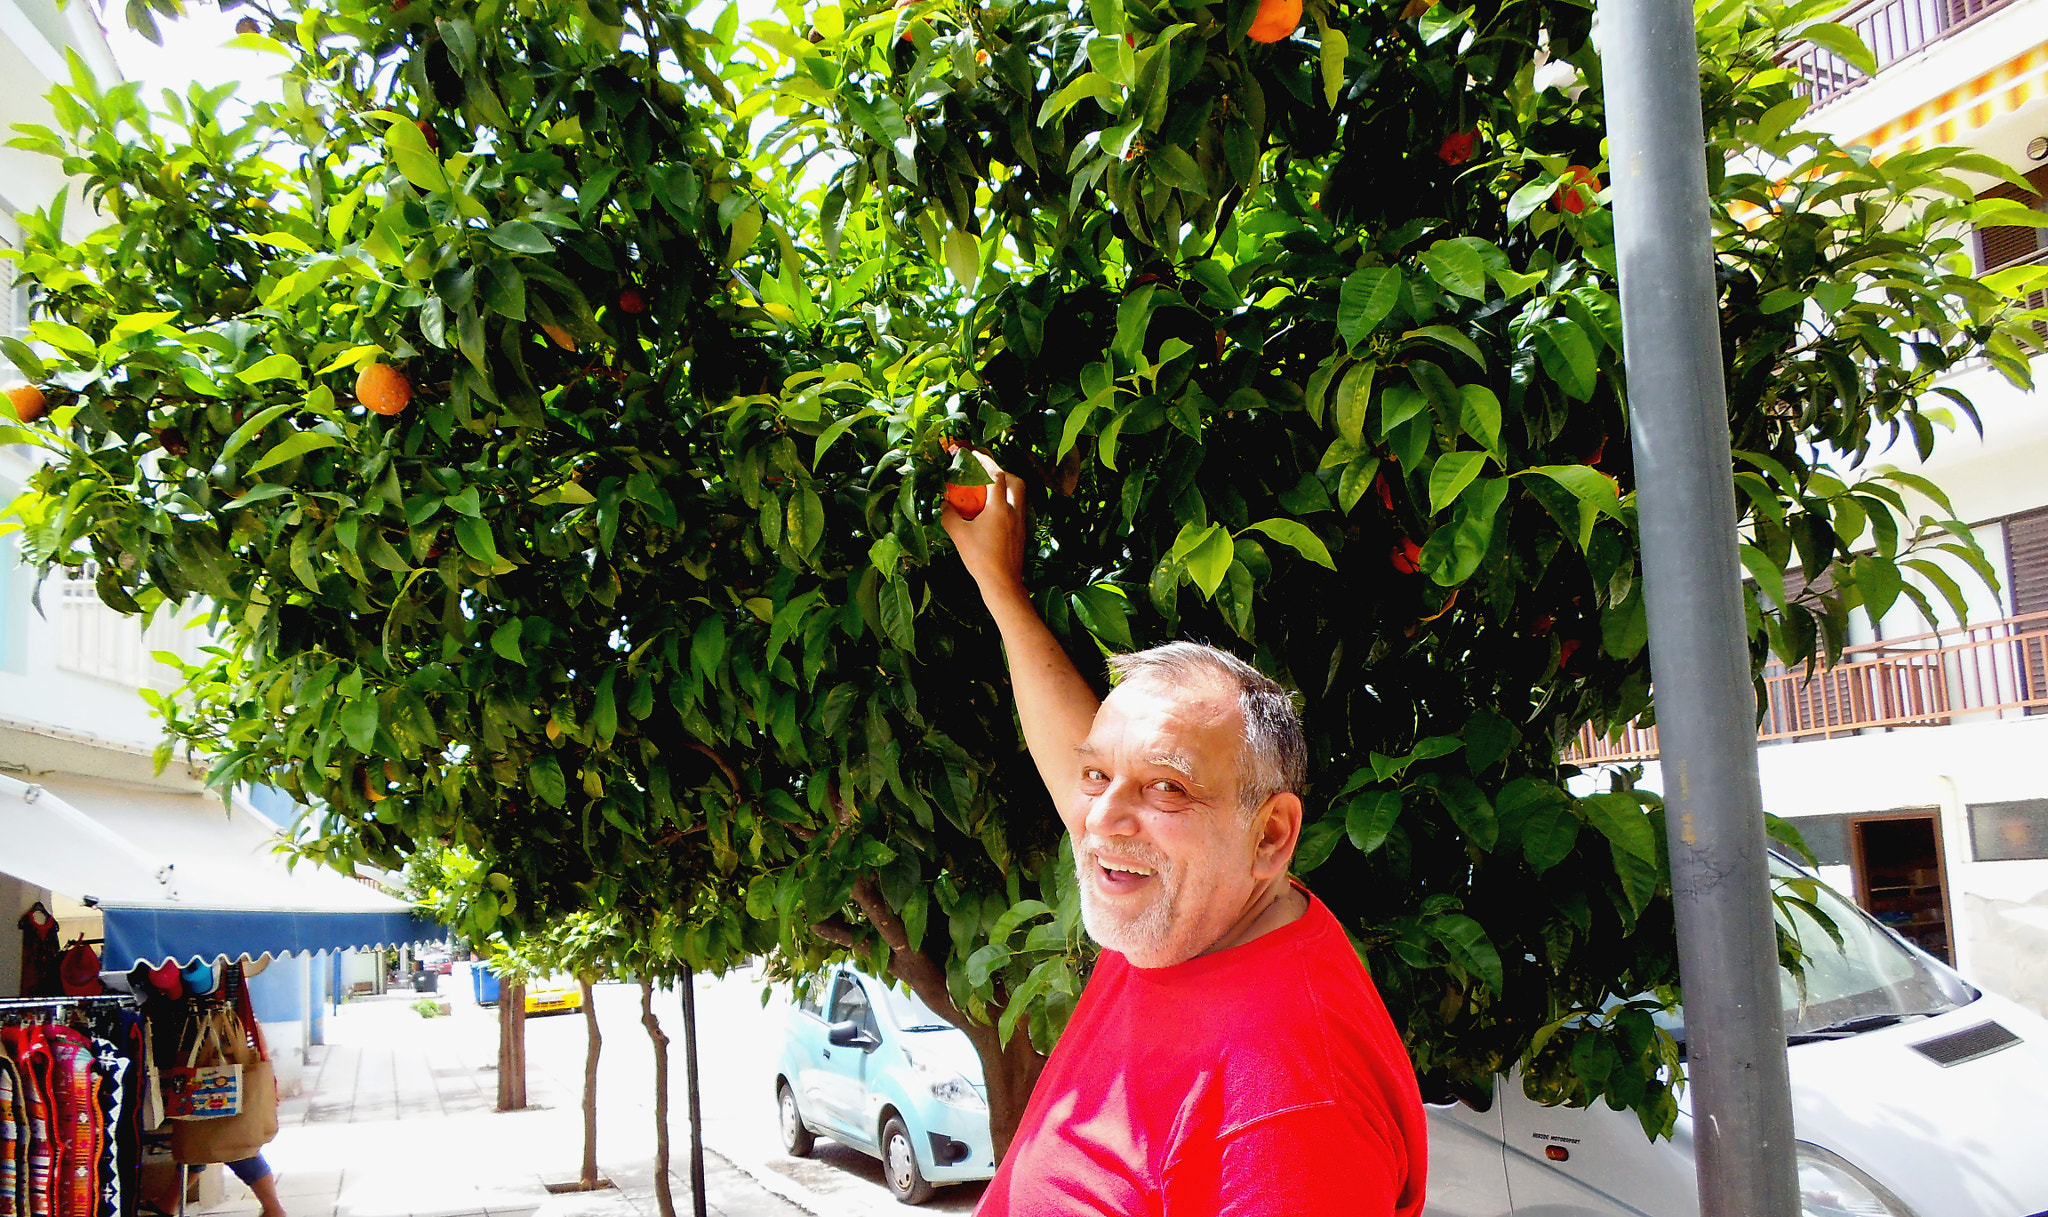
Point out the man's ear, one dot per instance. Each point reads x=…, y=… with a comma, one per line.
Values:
x=1278, y=825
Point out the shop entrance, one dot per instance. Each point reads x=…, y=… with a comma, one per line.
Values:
x=1900, y=878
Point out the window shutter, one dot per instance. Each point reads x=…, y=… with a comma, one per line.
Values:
x=2026, y=573
x=2005, y=245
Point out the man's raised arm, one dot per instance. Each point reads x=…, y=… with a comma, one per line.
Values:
x=1055, y=705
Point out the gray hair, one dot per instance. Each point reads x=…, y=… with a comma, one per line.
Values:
x=1275, y=756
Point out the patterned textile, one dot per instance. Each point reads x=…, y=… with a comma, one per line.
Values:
x=32, y=1054
x=111, y=1066
x=13, y=1139
x=77, y=1124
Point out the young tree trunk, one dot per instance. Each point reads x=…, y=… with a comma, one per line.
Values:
x=1009, y=1070
x=689, y=987
x=511, y=1047
x=589, y=1180
x=663, y=1196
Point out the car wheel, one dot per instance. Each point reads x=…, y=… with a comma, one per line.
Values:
x=899, y=1164
x=796, y=1139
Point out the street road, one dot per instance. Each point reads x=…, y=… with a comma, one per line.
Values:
x=739, y=1040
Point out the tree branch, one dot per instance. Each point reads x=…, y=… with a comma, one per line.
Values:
x=835, y=931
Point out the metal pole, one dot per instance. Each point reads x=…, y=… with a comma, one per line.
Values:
x=1706, y=706
x=697, y=1205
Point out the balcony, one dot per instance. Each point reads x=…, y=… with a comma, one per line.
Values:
x=1892, y=29
x=1925, y=680
x=94, y=640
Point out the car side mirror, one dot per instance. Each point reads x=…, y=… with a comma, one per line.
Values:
x=846, y=1035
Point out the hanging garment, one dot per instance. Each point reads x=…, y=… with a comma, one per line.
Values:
x=78, y=1126
x=130, y=1039
x=13, y=1139
x=79, y=970
x=39, y=972
x=32, y=1054
x=111, y=1066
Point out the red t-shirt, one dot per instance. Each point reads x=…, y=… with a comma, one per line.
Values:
x=1265, y=1079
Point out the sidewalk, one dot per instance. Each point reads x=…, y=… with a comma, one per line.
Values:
x=396, y=1120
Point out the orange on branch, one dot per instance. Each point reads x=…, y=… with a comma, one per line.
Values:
x=1277, y=19
x=967, y=500
x=29, y=402
x=383, y=389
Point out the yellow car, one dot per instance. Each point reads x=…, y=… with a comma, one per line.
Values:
x=553, y=995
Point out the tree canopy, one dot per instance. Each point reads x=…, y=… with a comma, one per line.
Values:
x=1310, y=349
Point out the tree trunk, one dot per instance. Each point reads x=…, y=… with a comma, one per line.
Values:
x=663, y=1196
x=1009, y=1071
x=697, y=1201
x=589, y=1180
x=511, y=1047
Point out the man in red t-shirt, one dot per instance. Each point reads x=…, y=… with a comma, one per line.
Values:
x=1230, y=1055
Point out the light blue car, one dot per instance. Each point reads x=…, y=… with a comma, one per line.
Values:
x=869, y=1065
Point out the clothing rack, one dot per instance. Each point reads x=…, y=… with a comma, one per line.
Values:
x=44, y=1003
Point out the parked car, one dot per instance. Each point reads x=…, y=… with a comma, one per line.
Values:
x=869, y=1065
x=440, y=965
x=553, y=995
x=1914, y=1094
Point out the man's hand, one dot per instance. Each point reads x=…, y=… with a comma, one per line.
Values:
x=992, y=543
x=1055, y=706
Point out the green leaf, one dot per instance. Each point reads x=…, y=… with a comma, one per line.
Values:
x=1567, y=356
x=1318, y=841
x=1297, y=535
x=1335, y=48
x=1366, y=299
x=1451, y=337
x=963, y=257
x=1469, y=948
x=1620, y=818
x=899, y=615
x=475, y=538
x=298, y=443
x=1842, y=40
x=1549, y=833
x=18, y=353
x=1354, y=397
x=1469, y=808
x=358, y=722
x=272, y=367
x=1480, y=417
x=1105, y=612
x=407, y=146
x=544, y=777
x=1208, y=560
x=521, y=237
x=1356, y=479
x=1369, y=817
x=1450, y=475
x=1457, y=268
x=505, y=640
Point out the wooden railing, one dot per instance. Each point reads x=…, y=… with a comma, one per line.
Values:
x=1892, y=29
x=1926, y=680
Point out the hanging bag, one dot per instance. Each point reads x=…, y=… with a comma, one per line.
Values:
x=208, y=1086
x=254, y=1125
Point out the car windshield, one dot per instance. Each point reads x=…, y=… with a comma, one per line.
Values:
x=1870, y=980
x=905, y=1010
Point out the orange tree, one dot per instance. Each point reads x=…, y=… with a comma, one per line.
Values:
x=1309, y=348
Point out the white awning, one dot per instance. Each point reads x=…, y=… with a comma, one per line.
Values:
x=179, y=876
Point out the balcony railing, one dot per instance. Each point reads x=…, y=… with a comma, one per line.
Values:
x=1926, y=680
x=94, y=640
x=1892, y=29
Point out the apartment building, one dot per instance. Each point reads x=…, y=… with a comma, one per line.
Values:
x=1917, y=768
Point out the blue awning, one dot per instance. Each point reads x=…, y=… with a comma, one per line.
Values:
x=178, y=876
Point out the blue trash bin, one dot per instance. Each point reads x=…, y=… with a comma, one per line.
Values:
x=483, y=984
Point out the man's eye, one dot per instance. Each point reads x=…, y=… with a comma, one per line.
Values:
x=1168, y=787
x=1094, y=775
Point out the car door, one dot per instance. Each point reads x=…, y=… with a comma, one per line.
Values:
x=1592, y=1161
x=805, y=1040
x=843, y=1069
x=1468, y=1174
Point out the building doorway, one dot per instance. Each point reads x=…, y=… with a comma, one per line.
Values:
x=1901, y=878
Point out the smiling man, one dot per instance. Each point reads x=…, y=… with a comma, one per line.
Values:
x=1230, y=1054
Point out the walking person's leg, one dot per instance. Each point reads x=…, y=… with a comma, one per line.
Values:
x=255, y=1172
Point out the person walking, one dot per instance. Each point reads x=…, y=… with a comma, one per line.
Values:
x=1229, y=1054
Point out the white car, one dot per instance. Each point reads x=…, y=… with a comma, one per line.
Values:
x=1914, y=1094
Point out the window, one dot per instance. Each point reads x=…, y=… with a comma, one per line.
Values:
x=850, y=1005
x=14, y=593
x=2015, y=245
x=1826, y=836
x=2005, y=832
x=13, y=295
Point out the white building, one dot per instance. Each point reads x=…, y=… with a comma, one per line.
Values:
x=1917, y=769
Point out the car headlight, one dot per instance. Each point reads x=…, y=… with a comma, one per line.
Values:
x=947, y=1086
x=1830, y=1187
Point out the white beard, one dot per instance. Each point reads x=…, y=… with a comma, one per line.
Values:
x=1143, y=934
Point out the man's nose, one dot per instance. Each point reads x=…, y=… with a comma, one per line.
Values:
x=1113, y=813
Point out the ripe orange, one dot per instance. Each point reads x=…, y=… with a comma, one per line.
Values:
x=1277, y=19
x=967, y=500
x=1569, y=196
x=383, y=389
x=631, y=301
x=29, y=403
x=1406, y=557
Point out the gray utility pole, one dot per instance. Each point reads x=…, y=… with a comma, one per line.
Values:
x=1706, y=706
